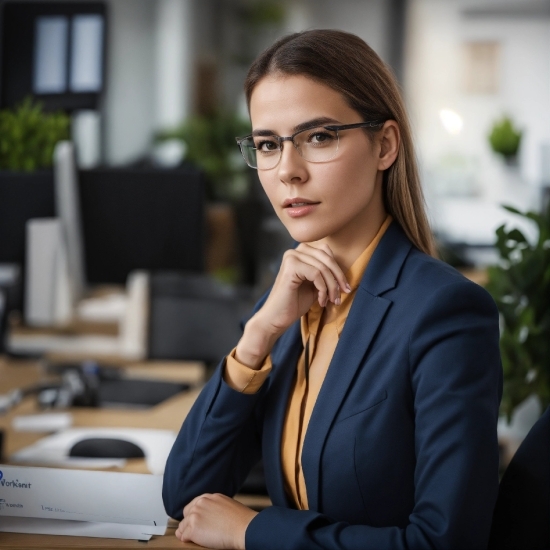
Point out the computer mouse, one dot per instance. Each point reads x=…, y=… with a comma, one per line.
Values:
x=106, y=447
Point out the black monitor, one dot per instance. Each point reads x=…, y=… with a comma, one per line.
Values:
x=141, y=218
x=23, y=196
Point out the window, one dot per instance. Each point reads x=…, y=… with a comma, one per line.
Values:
x=54, y=51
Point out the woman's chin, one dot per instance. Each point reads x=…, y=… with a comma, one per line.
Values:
x=303, y=233
x=306, y=236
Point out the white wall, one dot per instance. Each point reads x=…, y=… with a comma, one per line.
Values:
x=130, y=96
x=365, y=18
x=150, y=71
x=436, y=32
x=174, y=61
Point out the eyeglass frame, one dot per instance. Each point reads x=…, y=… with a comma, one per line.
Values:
x=281, y=139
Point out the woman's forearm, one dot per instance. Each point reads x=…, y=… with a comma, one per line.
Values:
x=215, y=448
x=256, y=342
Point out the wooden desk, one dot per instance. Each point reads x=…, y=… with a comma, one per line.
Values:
x=167, y=415
x=20, y=541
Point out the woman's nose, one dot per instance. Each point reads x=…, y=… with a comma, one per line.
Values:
x=292, y=167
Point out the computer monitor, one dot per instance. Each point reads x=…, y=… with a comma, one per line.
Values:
x=67, y=202
x=23, y=196
x=141, y=218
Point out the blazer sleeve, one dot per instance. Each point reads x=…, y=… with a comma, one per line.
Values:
x=218, y=443
x=456, y=380
x=216, y=447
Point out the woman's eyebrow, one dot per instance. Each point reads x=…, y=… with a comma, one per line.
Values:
x=319, y=121
x=263, y=133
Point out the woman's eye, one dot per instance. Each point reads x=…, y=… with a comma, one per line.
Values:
x=267, y=146
x=324, y=137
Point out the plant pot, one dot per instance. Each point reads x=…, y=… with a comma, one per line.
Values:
x=511, y=160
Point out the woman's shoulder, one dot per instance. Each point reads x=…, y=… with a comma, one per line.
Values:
x=430, y=269
x=399, y=268
x=434, y=279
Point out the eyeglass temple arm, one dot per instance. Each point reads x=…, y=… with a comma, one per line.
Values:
x=370, y=124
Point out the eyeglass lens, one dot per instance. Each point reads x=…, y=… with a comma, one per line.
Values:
x=314, y=145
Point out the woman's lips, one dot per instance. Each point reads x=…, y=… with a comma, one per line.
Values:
x=298, y=207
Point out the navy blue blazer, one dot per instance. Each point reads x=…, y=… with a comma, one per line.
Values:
x=401, y=449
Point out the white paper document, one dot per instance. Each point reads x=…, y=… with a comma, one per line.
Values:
x=81, y=503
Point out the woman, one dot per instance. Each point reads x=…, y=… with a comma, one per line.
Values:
x=368, y=378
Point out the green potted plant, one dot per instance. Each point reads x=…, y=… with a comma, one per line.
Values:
x=505, y=139
x=27, y=139
x=520, y=285
x=210, y=144
x=28, y=136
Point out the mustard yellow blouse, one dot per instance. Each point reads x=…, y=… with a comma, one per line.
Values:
x=321, y=327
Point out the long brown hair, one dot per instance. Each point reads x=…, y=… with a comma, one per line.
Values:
x=345, y=63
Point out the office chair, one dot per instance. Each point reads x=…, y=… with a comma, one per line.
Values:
x=193, y=317
x=521, y=520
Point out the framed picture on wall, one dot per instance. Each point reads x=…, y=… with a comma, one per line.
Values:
x=481, y=74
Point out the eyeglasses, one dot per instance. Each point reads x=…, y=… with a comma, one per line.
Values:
x=317, y=144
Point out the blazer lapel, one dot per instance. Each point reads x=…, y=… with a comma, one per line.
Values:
x=285, y=359
x=367, y=313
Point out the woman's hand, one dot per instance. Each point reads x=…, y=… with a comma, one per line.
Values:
x=307, y=274
x=215, y=521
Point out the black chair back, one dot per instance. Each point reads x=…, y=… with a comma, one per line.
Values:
x=521, y=519
x=193, y=317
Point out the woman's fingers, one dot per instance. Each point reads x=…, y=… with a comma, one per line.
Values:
x=186, y=524
x=316, y=266
x=187, y=508
x=324, y=254
x=215, y=521
x=307, y=274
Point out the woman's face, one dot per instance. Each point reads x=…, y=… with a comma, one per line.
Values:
x=338, y=200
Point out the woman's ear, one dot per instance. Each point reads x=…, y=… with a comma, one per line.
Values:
x=389, y=138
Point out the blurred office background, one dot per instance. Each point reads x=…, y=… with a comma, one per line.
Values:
x=152, y=92
x=155, y=70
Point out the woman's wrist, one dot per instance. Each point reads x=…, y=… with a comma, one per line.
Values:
x=256, y=342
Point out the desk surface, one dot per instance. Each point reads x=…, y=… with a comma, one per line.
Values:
x=167, y=415
x=20, y=541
